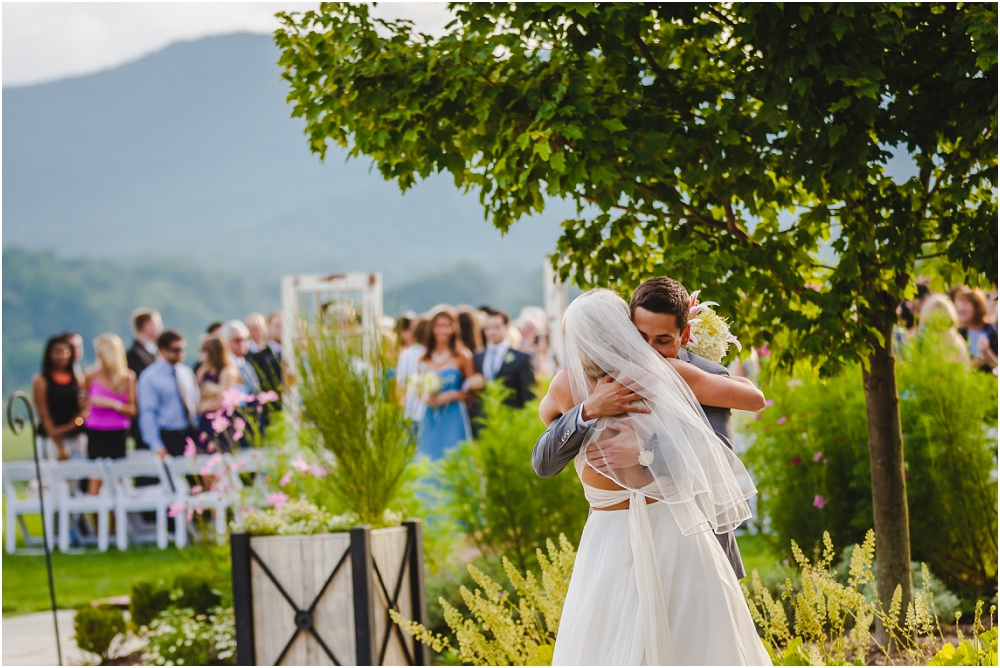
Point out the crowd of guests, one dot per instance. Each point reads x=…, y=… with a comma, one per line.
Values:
x=464, y=348
x=148, y=393
x=966, y=317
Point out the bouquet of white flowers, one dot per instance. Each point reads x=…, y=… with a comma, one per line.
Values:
x=426, y=385
x=710, y=336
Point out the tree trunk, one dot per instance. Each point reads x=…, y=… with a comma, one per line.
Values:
x=885, y=446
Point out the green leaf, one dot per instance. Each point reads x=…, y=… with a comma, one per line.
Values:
x=613, y=125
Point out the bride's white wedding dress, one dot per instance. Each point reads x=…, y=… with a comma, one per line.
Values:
x=651, y=584
x=642, y=593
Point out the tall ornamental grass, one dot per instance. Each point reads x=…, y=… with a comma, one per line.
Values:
x=352, y=418
x=809, y=458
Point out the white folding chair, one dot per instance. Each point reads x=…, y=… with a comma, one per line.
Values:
x=131, y=499
x=243, y=462
x=67, y=474
x=218, y=501
x=26, y=501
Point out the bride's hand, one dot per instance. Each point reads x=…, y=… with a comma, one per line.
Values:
x=618, y=452
x=610, y=398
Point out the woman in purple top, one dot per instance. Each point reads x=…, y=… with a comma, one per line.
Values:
x=110, y=387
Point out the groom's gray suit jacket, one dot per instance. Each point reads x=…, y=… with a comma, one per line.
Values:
x=562, y=440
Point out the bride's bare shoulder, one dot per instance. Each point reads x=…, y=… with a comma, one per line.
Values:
x=557, y=400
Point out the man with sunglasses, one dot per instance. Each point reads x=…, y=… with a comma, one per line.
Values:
x=168, y=394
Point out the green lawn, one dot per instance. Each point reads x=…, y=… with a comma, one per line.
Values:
x=81, y=578
x=757, y=553
x=16, y=447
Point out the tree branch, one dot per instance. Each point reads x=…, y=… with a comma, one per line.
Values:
x=648, y=56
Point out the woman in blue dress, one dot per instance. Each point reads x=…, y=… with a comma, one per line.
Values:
x=446, y=422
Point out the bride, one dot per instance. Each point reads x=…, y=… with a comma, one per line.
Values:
x=651, y=585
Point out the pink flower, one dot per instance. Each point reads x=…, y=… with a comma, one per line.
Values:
x=814, y=286
x=318, y=471
x=190, y=449
x=796, y=461
x=278, y=499
x=219, y=423
x=267, y=397
x=237, y=465
x=300, y=465
x=176, y=509
x=239, y=424
x=764, y=351
x=768, y=403
x=197, y=489
x=285, y=479
x=694, y=297
x=819, y=502
x=757, y=415
x=782, y=420
x=211, y=447
x=818, y=456
x=232, y=398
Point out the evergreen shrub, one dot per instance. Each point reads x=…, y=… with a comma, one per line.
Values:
x=494, y=494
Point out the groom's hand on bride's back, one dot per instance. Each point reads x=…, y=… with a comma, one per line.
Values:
x=610, y=398
x=621, y=451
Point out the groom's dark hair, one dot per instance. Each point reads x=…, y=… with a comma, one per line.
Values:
x=663, y=295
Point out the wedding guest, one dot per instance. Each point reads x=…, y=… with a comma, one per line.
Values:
x=237, y=335
x=938, y=315
x=110, y=387
x=56, y=393
x=211, y=330
x=267, y=360
x=257, y=328
x=980, y=336
x=446, y=420
x=168, y=397
x=404, y=327
x=76, y=341
x=469, y=329
x=147, y=325
x=500, y=361
x=216, y=376
x=407, y=366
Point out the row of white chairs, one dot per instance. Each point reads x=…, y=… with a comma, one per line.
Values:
x=119, y=494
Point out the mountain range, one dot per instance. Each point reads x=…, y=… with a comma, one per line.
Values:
x=191, y=154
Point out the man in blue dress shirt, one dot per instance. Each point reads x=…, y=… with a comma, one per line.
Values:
x=168, y=395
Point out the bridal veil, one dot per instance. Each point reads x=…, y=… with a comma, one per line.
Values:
x=686, y=465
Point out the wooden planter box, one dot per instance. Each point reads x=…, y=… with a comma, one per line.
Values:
x=324, y=599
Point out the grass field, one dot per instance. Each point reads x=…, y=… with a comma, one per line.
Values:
x=16, y=447
x=82, y=578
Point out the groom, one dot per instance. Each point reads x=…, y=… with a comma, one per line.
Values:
x=660, y=311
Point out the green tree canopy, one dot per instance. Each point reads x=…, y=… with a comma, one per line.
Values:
x=724, y=145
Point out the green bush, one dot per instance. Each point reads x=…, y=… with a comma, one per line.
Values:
x=352, y=419
x=494, y=494
x=97, y=627
x=194, y=591
x=148, y=600
x=809, y=458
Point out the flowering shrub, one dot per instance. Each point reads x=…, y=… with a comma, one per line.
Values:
x=500, y=632
x=832, y=620
x=809, y=458
x=299, y=517
x=183, y=637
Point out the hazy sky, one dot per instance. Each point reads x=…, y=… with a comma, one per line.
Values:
x=44, y=41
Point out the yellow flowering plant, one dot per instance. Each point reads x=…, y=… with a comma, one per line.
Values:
x=500, y=631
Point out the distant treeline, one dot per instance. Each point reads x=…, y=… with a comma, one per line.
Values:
x=45, y=295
